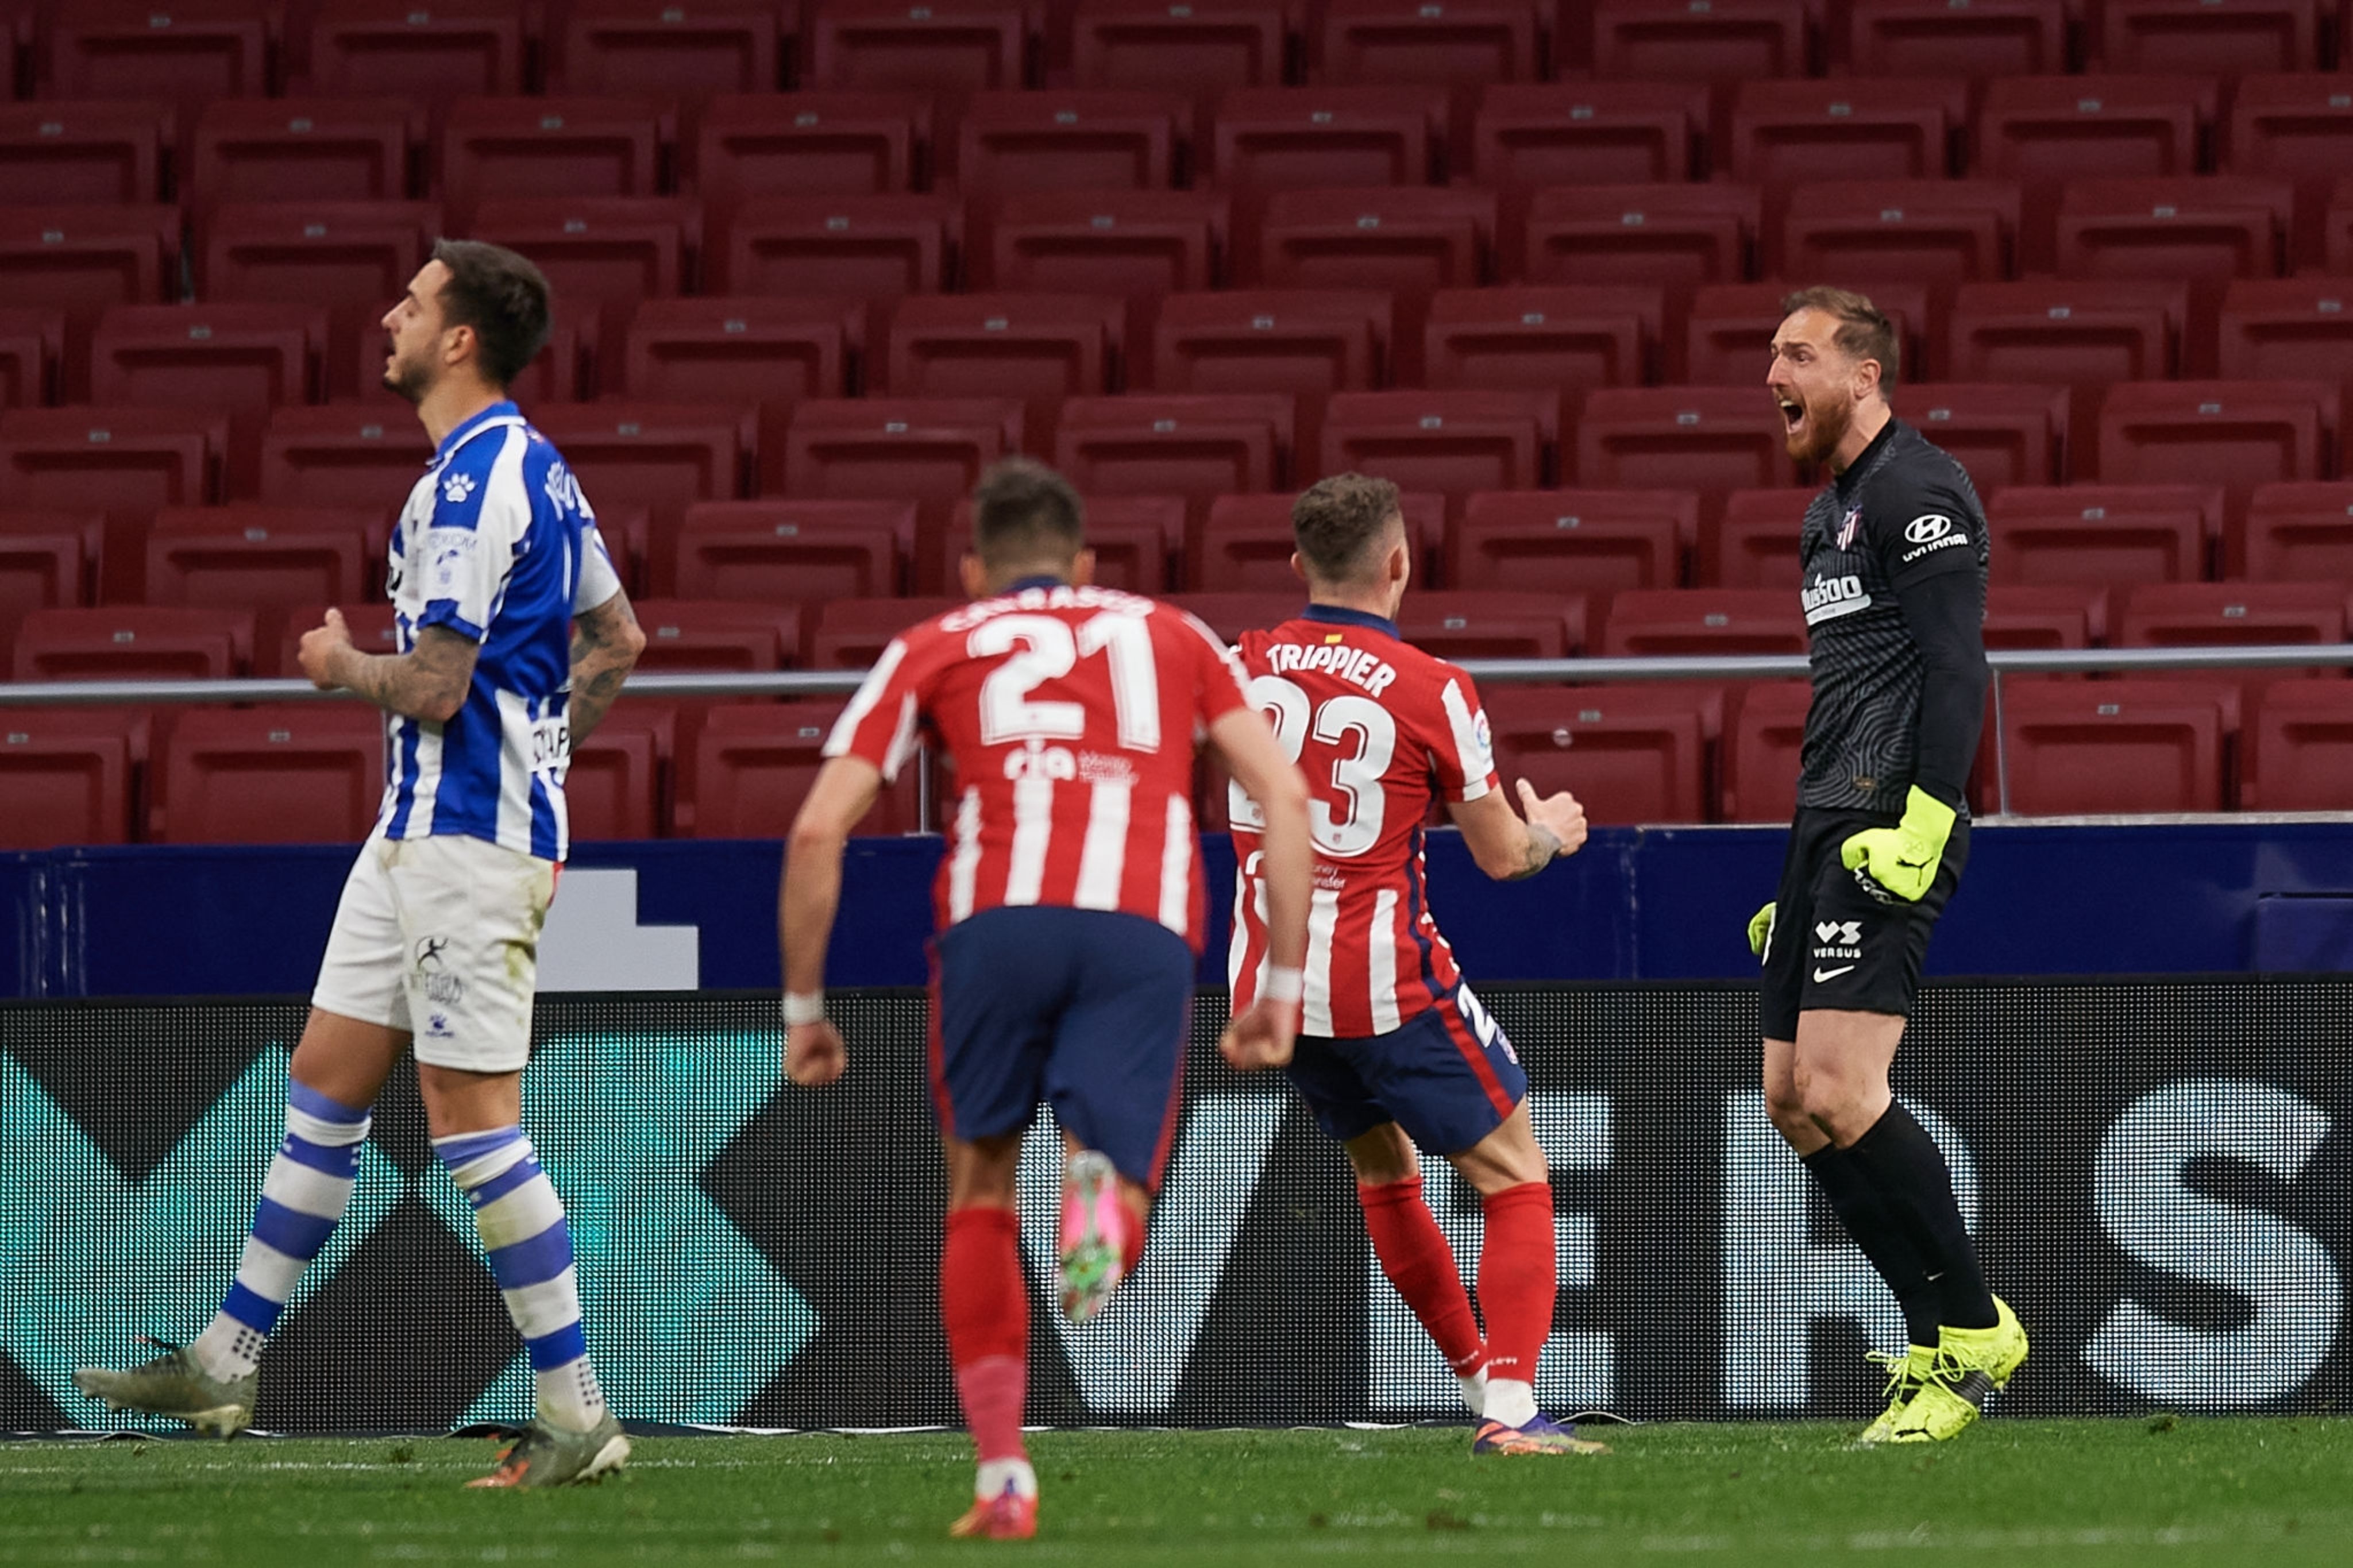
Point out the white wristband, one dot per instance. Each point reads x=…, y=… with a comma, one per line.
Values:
x=1284, y=985
x=804, y=1007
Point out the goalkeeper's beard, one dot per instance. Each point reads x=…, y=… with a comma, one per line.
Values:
x=1827, y=417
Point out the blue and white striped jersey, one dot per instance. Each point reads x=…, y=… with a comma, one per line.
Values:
x=496, y=544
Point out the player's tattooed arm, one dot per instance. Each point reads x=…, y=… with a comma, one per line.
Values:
x=606, y=642
x=428, y=682
x=1509, y=849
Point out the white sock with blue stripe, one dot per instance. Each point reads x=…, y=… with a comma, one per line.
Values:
x=305, y=1193
x=522, y=1222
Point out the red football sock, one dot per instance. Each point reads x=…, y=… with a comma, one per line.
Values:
x=1518, y=1278
x=984, y=1306
x=1414, y=1255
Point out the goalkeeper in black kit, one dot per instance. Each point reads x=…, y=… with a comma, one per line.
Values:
x=1893, y=557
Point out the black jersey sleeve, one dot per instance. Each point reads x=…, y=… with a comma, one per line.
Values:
x=1926, y=534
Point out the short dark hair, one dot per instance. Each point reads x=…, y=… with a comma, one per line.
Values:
x=1864, y=331
x=502, y=297
x=1338, y=522
x=1023, y=512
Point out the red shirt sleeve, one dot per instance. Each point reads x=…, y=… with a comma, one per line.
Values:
x=879, y=724
x=1461, y=750
x=1218, y=674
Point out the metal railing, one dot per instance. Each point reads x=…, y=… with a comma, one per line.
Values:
x=1582, y=672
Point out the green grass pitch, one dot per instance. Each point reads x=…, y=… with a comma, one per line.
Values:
x=2127, y=1491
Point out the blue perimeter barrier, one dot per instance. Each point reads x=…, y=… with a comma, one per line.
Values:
x=2209, y=896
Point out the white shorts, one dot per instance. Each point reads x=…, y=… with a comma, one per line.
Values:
x=439, y=937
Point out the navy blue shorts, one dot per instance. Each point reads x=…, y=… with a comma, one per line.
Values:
x=1447, y=1075
x=1086, y=1010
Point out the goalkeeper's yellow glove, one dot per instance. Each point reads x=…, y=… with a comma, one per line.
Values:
x=1902, y=859
x=1760, y=929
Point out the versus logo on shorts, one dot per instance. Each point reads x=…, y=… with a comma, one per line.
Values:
x=1929, y=533
x=1836, y=941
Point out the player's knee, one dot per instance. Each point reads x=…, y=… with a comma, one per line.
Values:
x=1382, y=1156
x=1786, y=1110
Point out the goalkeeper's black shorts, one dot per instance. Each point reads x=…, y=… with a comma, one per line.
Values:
x=1839, y=940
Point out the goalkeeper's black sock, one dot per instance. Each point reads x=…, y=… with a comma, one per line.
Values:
x=1882, y=1236
x=1904, y=1163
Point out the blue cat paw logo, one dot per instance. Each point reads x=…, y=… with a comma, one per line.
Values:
x=457, y=488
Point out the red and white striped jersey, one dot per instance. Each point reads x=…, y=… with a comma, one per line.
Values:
x=1379, y=728
x=1071, y=716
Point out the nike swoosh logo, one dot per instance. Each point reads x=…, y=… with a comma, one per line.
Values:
x=1822, y=975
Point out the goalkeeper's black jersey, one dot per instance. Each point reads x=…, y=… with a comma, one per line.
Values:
x=1895, y=572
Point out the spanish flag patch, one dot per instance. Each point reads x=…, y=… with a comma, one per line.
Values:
x=1330, y=638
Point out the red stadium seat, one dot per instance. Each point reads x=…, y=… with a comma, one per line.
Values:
x=850, y=634
x=1875, y=231
x=2202, y=228
x=2113, y=746
x=2003, y=433
x=1761, y=745
x=196, y=51
x=2085, y=335
x=663, y=456
x=1629, y=753
x=2102, y=533
x=781, y=551
x=456, y=49
x=301, y=150
x=683, y=635
x=2293, y=534
x=1681, y=438
x=810, y=144
x=1563, y=338
x=1244, y=545
x=498, y=149
x=1755, y=542
x=1703, y=621
x=952, y=45
x=1527, y=136
x=2299, y=748
x=1231, y=614
x=1728, y=333
x=740, y=350
x=754, y=764
x=1571, y=542
x=1409, y=241
x=604, y=251
x=48, y=561
x=30, y=345
x=354, y=258
x=2231, y=615
x=270, y=560
x=1309, y=341
x=2294, y=128
x=1985, y=38
x=2337, y=230
x=659, y=49
x=1044, y=347
x=81, y=260
x=2043, y=130
x=128, y=463
x=1782, y=132
x=612, y=788
x=1409, y=42
x=308, y=773
x=133, y=642
x=54, y=154
x=2237, y=433
x=2045, y=615
x=1135, y=244
x=365, y=458
x=1485, y=624
x=1450, y=442
x=1289, y=139
x=65, y=775
x=1200, y=48
x=2210, y=36
x=924, y=449
x=1013, y=143
x=1662, y=236
x=1133, y=538
x=869, y=246
x=2287, y=328
x=1199, y=445
x=242, y=359
x=1727, y=40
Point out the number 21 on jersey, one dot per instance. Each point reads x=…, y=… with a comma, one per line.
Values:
x=1044, y=649
x=1346, y=808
